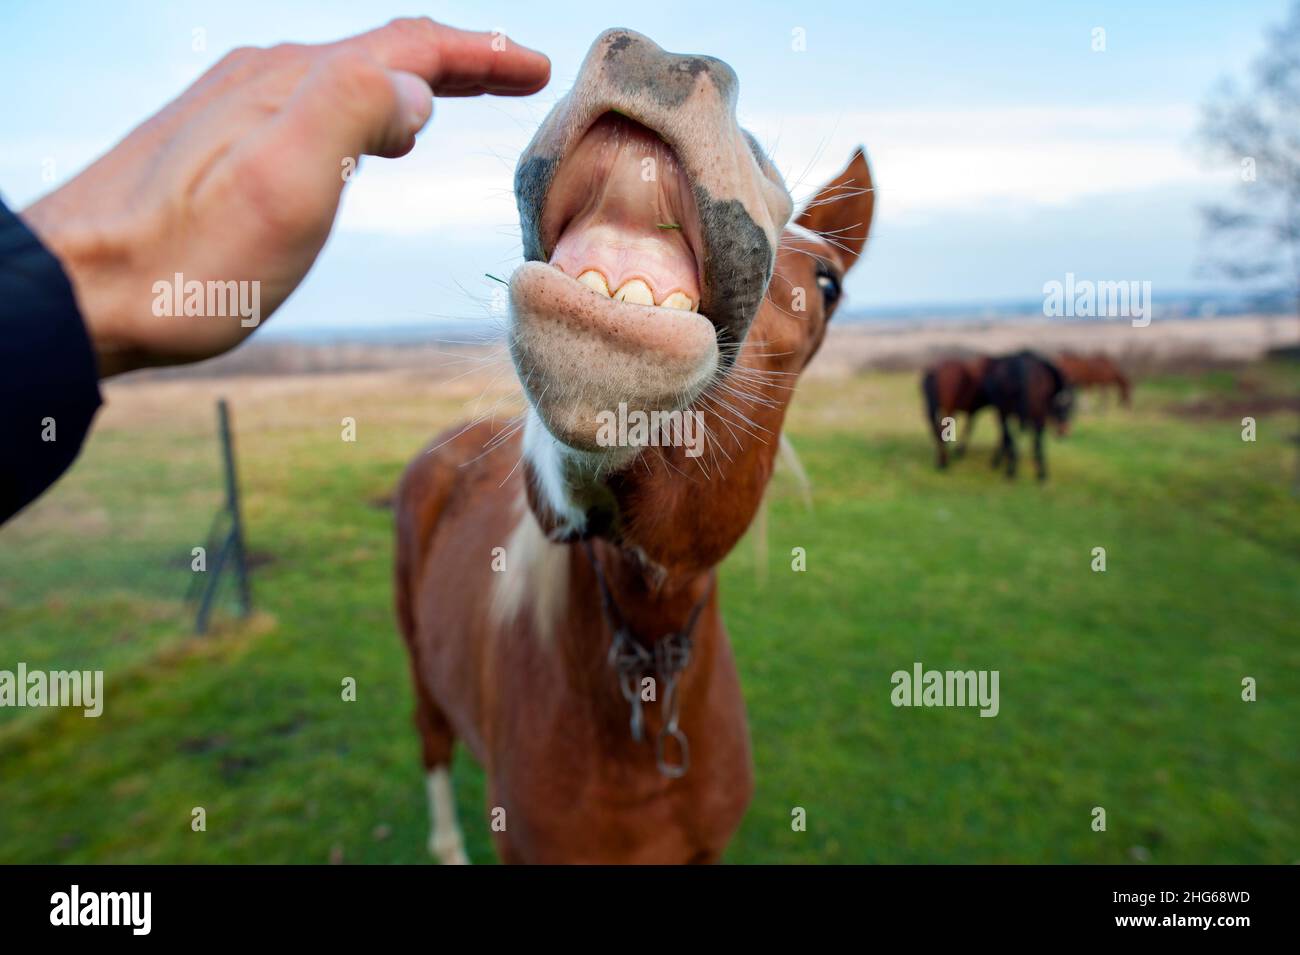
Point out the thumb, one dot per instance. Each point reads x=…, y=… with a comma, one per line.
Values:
x=413, y=109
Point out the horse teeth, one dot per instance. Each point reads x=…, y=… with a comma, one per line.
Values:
x=594, y=281
x=635, y=292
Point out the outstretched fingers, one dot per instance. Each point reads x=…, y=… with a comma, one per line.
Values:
x=455, y=62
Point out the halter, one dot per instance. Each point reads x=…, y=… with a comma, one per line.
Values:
x=665, y=659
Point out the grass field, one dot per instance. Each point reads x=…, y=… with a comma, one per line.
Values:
x=1119, y=689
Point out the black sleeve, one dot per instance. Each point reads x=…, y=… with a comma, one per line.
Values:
x=49, y=382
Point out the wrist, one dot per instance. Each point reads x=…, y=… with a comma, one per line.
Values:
x=94, y=266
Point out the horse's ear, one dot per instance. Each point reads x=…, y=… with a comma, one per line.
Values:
x=841, y=210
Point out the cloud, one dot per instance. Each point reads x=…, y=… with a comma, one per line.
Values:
x=930, y=161
x=924, y=162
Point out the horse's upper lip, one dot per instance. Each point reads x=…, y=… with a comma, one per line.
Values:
x=621, y=204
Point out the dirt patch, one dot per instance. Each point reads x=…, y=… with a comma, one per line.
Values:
x=253, y=559
x=235, y=767
x=259, y=558
x=1236, y=406
x=194, y=745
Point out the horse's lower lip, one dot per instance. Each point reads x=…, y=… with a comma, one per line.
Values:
x=673, y=336
x=579, y=354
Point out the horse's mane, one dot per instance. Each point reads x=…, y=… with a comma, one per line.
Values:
x=1058, y=376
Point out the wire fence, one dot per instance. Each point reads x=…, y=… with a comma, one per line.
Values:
x=126, y=553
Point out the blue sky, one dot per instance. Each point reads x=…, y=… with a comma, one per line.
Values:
x=1006, y=152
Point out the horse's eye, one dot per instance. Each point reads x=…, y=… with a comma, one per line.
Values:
x=829, y=283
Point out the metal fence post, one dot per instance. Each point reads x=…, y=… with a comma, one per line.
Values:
x=232, y=545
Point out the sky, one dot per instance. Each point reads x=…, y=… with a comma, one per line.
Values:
x=1005, y=150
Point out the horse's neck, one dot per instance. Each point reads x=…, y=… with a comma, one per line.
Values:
x=662, y=523
x=650, y=608
x=682, y=514
x=640, y=595
x=674, y=516
x=661, y=526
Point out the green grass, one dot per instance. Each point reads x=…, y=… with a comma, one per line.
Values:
x=1119, y=690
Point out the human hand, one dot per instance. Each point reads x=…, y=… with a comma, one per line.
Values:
x=236, y=183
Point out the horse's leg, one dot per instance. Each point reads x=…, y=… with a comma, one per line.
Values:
x=935, y=414
x=436, y=740
x=1000, y=449
x=1038, y=452
x=436, y=735
x=1008, y=444
x=942, y=445
x=964, y=440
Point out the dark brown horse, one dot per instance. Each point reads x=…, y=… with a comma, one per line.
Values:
x=951, y=386
x=1095, y=371
x=1028, y=387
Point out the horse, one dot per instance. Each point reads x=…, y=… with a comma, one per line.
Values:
x=1095, y=371
x=1027, y=386
x=951, y=386
x=555, y=584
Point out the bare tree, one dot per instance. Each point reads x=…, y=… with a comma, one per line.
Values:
x=1257, y=237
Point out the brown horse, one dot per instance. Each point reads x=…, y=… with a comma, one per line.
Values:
x=557, y=589
x=951, y=386
x=1095, y=371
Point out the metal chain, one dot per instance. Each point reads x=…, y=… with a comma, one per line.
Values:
x=632, y=662
x=672, y=655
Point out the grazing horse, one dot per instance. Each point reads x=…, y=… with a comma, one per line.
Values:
x=556, y=585
x=950, y=386
x=1095, y=371
x=1032, y=389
